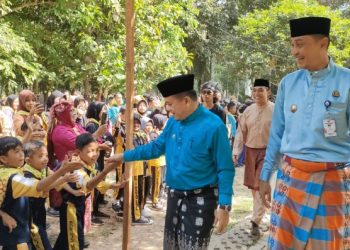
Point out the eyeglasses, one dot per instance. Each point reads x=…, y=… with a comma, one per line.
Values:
x=207, y=92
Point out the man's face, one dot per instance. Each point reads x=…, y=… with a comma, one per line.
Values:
x=308, y=51
x=260, y=95
x=207, y=95
x=177, y=107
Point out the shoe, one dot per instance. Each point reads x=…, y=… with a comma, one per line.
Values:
x=101, y=214
x=255, y=229
x=117, y=207
x=146, y=212
x=86, y=244
x=96, y=221
x=142, y=221
x=53, y=212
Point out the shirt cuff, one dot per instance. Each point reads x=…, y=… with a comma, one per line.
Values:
x=128, y=156
x=265, y=175
x=225, y=199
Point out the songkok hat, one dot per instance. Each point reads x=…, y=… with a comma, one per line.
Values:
x=176, y=85
x=309, y=26
x=261, y=83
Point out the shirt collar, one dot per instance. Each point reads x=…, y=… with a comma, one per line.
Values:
x=194, y=115
x=323, y=72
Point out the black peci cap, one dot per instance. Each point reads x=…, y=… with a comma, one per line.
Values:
x=261, y=83
x=176, y=85
x=309, y=26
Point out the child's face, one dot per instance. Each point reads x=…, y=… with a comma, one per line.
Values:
x=137, y=126
x=148, y=127
x=38, y=159
x=38, y=132
x=14, y=157
x=90, y=153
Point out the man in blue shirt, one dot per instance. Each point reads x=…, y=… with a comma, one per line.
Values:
x=310, y=130
x=200, y=170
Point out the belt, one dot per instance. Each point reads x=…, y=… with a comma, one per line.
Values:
x=189, y=193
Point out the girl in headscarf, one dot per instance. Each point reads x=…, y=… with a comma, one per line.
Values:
x=28, y=106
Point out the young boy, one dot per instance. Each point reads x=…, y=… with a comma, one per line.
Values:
x=36, y=158
x=73, y=208
x=15, y=188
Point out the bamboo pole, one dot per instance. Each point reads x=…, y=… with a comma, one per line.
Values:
x=129, y=26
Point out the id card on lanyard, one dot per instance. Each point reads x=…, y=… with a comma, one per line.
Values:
x=329, y=124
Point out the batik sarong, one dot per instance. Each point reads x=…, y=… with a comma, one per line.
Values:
x=311, y=206
x=189, y=218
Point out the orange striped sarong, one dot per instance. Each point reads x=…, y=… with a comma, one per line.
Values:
x=311, y=206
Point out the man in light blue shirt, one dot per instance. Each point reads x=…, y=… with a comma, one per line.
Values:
x=200, y=170
x=310, y=131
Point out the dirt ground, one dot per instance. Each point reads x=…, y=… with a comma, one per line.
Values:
x=150, y=237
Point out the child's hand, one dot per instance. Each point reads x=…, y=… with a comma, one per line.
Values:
x=71, y=177
x=70, y=166
x=119, y=184
x=8, y=221
x=78, y=193
x=105, y=146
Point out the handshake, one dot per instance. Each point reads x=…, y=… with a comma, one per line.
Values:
x=115, y=159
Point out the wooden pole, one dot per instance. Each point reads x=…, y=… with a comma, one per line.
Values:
x=129, y=26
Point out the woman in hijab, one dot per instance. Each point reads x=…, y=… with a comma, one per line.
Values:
x=28, y=106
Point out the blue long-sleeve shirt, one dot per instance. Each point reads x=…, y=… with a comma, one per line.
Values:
x=300, y=134
x=197, y=153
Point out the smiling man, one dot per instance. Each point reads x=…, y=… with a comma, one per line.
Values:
x=199, y=167
x=310, y=131
x=253, y=132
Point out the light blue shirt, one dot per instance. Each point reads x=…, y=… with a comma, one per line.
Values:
x=300, y=134
x=232, y=121
x=197, y=153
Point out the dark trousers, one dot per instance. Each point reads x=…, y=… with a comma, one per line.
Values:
x=189, y=218
x=71, y=227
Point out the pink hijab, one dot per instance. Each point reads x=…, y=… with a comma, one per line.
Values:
x=22, y=97
x=62, y=112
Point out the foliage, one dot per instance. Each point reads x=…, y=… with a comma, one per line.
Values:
x=81, y=44
x=261, y=45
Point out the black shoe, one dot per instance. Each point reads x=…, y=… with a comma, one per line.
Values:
x=86, y=244
x=96, y=221
x=101, y=214
x=117, y=207
x=53, y=212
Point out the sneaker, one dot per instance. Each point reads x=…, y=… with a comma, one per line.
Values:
x=101, y=214
x=53, y=212
x=255, y=229
x=96, y=221
x=146, y=212
x=142, y=221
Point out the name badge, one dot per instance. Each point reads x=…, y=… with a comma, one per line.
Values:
x=329, y=128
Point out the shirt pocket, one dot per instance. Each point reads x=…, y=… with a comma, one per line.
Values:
x=337, y=111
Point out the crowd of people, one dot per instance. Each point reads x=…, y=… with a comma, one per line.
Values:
x=185, y=149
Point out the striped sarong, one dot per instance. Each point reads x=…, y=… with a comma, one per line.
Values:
x=311, y=206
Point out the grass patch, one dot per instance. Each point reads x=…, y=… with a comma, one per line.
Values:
x=242, y=206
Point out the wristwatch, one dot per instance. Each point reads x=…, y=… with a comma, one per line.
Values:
x=225, y=207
